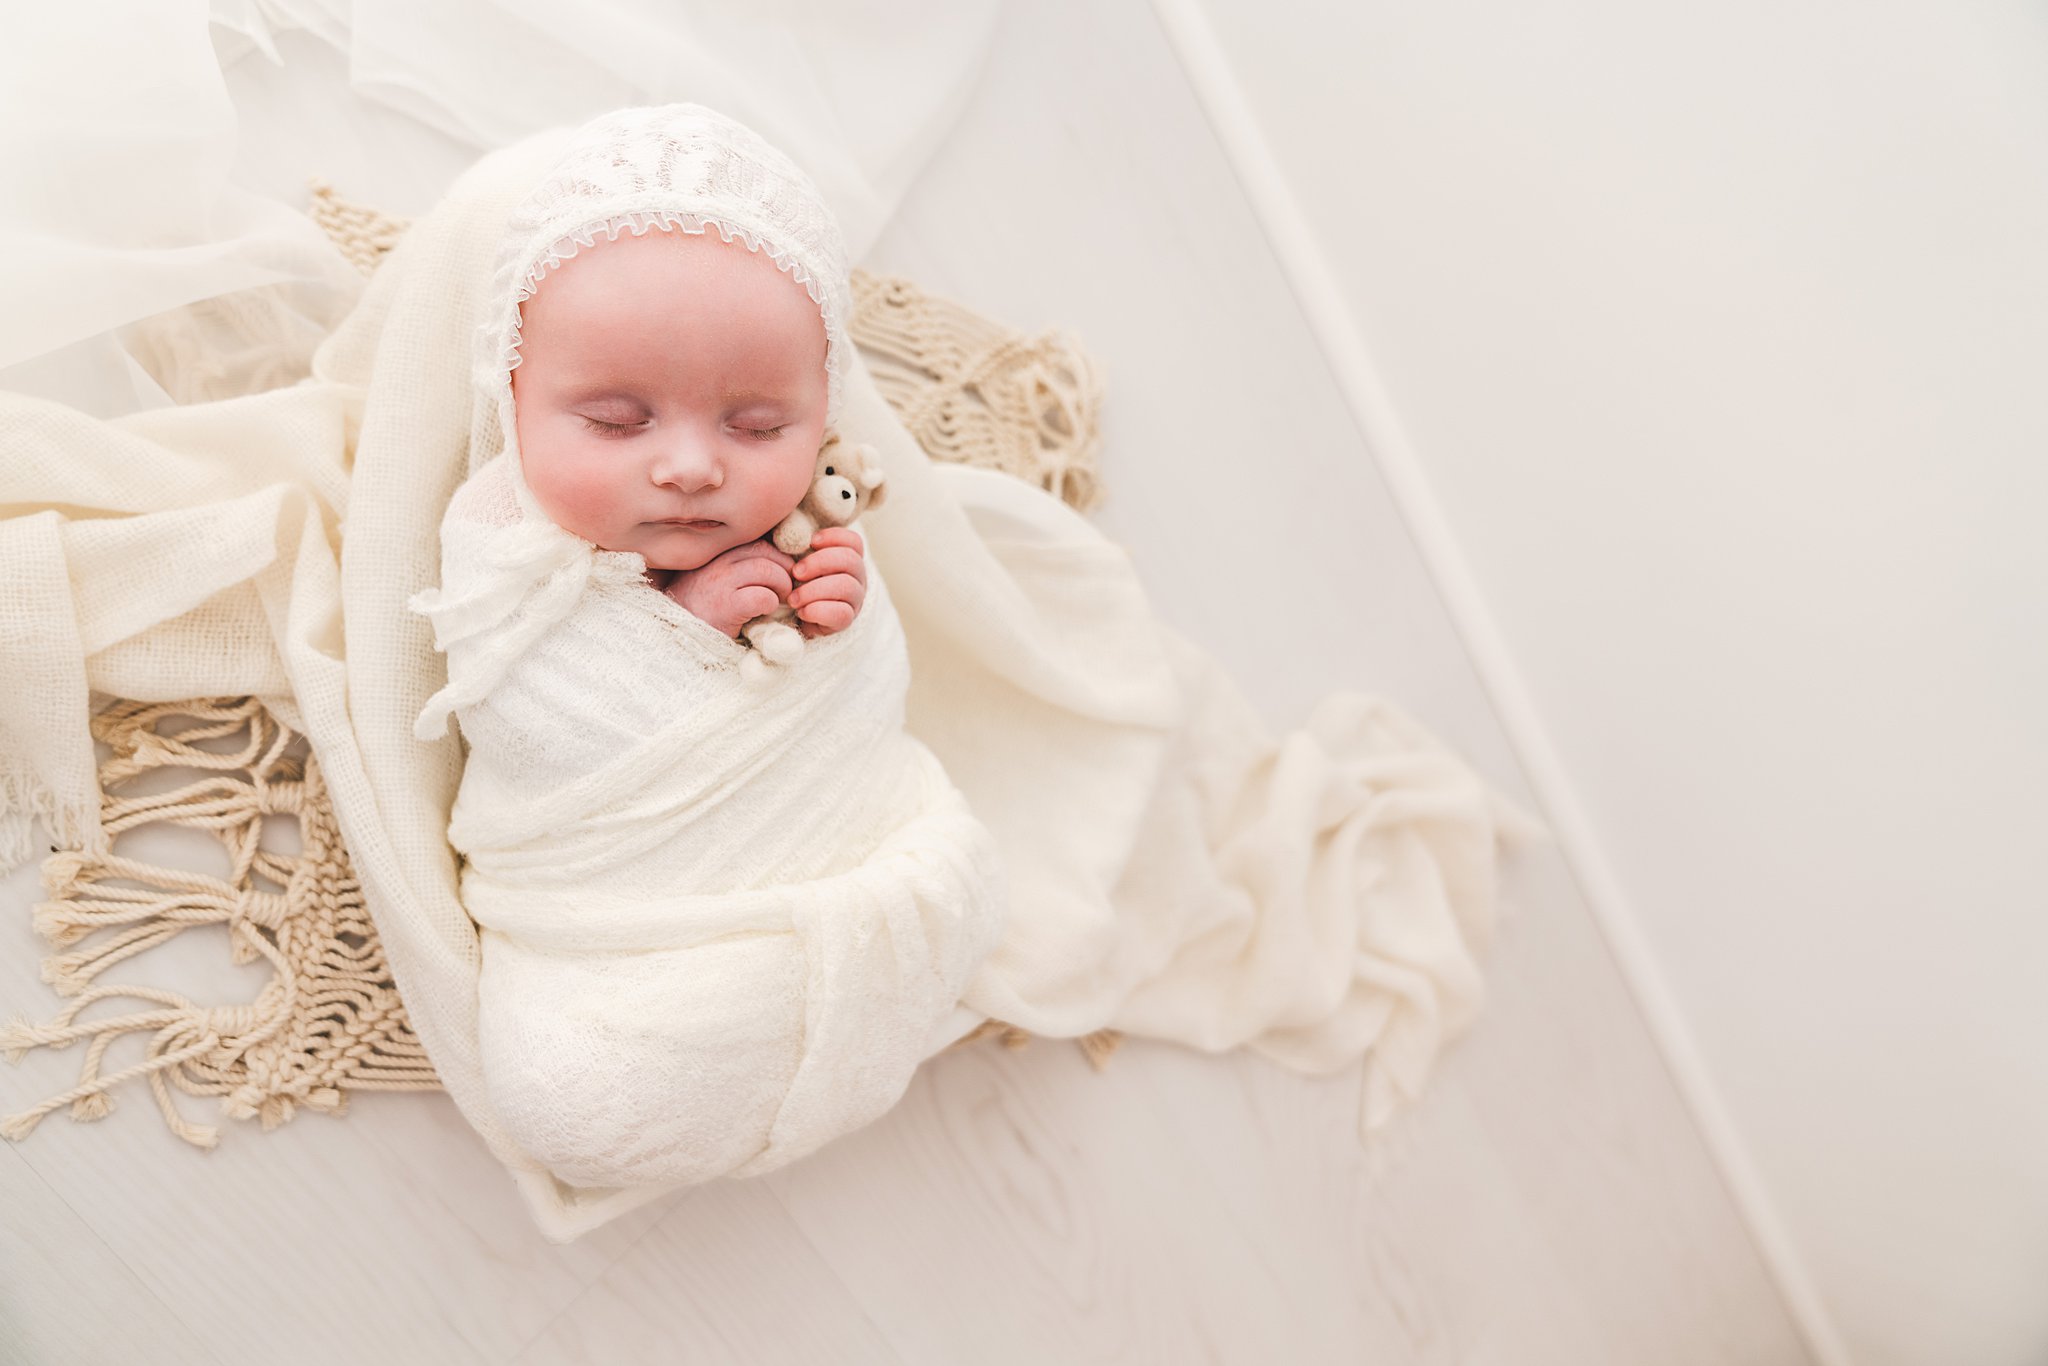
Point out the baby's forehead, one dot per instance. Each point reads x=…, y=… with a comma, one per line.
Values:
x=641, y=308
x=664, y=262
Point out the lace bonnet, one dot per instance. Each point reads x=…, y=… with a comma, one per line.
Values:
x=676, y=167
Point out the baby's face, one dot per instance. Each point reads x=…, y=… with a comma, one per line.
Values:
x=670, y=395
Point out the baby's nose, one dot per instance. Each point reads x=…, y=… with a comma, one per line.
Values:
x=687, y=465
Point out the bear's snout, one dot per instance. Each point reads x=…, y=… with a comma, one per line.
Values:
x=836, y=499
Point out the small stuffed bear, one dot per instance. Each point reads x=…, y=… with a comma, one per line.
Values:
x=848, y=482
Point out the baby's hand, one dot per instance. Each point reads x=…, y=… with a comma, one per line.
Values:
x=832, y=582
x=733, y=588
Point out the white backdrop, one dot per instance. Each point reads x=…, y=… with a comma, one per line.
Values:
x=1719, y=333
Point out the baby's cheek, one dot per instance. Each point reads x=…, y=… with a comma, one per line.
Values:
x=575, y=492
x=788, y=471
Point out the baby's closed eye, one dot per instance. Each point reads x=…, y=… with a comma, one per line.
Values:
x=602, y=427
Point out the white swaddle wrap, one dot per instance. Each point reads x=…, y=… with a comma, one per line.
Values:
x=720, y=919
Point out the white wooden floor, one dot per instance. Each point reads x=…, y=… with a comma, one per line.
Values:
x=1555, y=1205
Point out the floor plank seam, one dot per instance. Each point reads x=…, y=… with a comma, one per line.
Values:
x=519, y=1354
x=169, y=1309
x=895, y=1348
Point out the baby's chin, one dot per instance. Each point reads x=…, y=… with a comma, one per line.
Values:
x=678, y=550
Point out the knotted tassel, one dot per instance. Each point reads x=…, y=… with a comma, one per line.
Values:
x=1099, y=1045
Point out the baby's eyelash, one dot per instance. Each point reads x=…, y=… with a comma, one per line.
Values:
x=614, y=428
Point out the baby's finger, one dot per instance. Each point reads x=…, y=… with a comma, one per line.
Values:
x=832, y=588
x=827, y=617
x=838, y=535
x=753, y=601
x=836, y=559
x=760, y=550
x=765, y=573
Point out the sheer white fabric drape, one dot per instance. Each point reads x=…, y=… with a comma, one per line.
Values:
x=125, y=193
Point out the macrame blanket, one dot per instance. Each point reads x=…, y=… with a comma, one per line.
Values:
x=1174, y=869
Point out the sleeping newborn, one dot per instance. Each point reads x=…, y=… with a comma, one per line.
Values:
x=719, y=919
x=670, y=399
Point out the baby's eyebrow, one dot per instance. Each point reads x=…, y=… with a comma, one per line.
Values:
x=605, y=393
x=598, y=393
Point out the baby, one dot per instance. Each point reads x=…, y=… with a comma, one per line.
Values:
x=670, y=401
x=720, y=923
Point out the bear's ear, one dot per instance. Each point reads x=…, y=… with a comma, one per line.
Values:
x=870, y=476
x=877, y=491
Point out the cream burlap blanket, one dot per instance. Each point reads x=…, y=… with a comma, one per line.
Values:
x=1175, y=870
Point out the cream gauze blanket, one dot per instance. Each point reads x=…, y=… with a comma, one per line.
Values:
x=1171, y=869
x=722, y=914
x=719, y=945
x=720, y=922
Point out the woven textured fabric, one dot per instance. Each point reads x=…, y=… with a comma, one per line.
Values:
x=1321, y=896
x=973, y=392
x=331, y=1020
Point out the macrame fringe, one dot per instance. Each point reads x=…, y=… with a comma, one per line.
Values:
x=1096, y=1047
x=363, y=235
x=330, y=1019
x=973, y=392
